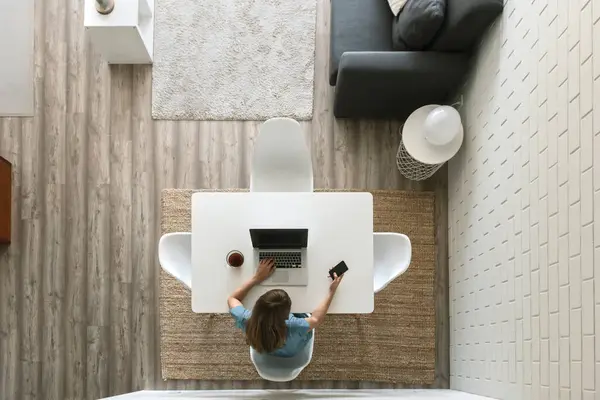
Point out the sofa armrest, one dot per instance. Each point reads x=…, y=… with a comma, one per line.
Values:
x=394, y=84
x=465, y=23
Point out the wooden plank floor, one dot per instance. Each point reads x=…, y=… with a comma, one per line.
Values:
x=78, y=285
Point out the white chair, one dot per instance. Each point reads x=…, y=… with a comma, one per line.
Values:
x=282, y=369
x=175, y=256
x=391, y=257
x=281, y=160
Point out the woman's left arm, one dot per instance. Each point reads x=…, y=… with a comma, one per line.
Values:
x=264, y=270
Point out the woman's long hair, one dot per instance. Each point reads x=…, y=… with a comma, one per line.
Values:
x=266, y=330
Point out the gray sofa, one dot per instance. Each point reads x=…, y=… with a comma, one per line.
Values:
x=372, y=80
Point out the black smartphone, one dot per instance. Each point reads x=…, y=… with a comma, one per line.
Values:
x=338, y=269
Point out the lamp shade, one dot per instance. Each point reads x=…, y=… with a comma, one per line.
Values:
x=441, y=125
x=433, y=134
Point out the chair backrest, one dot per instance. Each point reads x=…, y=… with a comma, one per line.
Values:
x=282, y=369
x=175, y=256
x=391, y=257
x=281, y=160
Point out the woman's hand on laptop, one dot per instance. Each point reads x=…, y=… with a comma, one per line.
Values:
x=265, y=269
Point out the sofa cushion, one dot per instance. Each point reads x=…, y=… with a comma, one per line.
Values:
x=393, y=84
x=417, y=24
x=358, y=25
x=465, y=23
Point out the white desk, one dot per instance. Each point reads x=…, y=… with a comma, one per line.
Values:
x=340, y=227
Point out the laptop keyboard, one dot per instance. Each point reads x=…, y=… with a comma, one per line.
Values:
x=283, y=259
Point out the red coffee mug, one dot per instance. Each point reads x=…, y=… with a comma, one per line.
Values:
x=235, y=259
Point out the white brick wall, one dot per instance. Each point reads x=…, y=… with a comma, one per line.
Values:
x=523, y=192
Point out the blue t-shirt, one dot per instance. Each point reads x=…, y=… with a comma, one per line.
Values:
x=298, y=331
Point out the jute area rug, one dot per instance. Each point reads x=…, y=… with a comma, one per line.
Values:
x=395, y=344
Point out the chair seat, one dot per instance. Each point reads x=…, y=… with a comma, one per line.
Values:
x=392, y=253
x=281, y=161
x=282, y=369
x=175, y=256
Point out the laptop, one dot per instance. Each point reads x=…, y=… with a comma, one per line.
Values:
x=288, y=248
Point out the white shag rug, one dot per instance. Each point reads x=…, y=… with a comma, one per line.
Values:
x=233, y=59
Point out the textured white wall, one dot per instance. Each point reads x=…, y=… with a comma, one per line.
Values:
x=16, y=57
x=524, y=267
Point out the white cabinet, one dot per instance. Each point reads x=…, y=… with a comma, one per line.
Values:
x=124, y=36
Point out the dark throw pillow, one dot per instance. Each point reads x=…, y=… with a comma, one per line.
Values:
x=417, y=24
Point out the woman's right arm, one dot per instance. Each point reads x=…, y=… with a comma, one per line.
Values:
x=318, y=315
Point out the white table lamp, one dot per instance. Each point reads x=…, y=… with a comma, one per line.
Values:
x=431, y=136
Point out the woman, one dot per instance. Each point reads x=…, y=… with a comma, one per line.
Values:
x=270, y=328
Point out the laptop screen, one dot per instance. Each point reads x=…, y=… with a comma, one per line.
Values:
x=279, y=238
